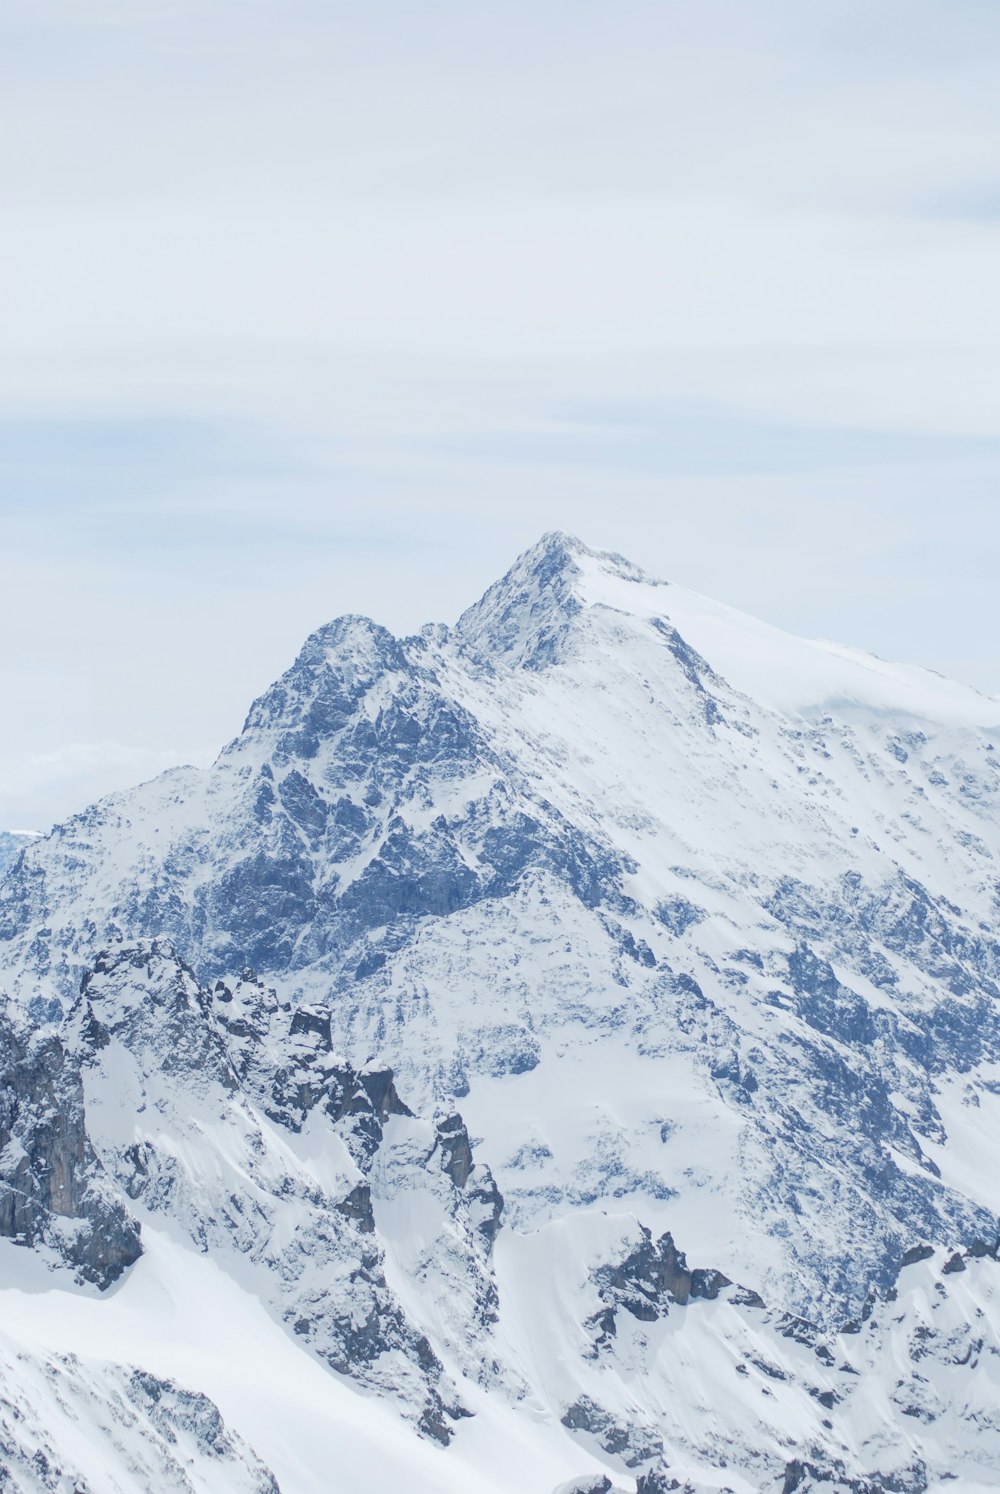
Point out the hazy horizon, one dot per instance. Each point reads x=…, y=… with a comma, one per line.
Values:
x=338, y=308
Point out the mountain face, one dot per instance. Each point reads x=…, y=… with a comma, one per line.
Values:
x=486, y=978
x=133, y=1431
x=11, y=845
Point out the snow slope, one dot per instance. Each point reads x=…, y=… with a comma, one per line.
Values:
x=678, y=928
x=185, y=1319
x=12, y=842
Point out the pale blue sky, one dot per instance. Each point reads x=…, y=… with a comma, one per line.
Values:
x=310, y=308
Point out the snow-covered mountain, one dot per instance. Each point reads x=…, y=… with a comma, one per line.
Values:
x=12, y=842
x=482, y=976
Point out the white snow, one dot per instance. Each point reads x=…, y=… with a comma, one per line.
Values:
x=635, y=1056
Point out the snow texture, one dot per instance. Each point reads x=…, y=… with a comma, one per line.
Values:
x=483, y=976
x=12, y=842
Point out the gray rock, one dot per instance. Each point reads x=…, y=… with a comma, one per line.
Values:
x=54, y=1191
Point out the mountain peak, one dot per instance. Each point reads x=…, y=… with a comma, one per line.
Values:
x=657, y=903
x=557, y=543
x=558, y=550
x=352, y=642
x=335, y=666
x=521, y=616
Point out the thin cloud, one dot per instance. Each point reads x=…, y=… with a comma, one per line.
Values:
x=335, y=307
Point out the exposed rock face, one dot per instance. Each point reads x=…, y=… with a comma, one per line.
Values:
x=810, y=1478
x=669, y=917
x=654, y=1482
x=66, y=1424
x=470, y=849
x=653, y=1275
x=634, y=1442
x=456, y=1152
x=484, y=1200
x=900, y=1367
x=186, y=1094
x=11, y=846
x=54, y=1190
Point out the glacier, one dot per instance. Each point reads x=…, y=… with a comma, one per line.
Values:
x=486, y=979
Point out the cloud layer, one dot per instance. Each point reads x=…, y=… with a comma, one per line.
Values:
x=335, y=306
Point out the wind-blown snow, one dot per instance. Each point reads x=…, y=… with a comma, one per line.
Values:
x=795, y=676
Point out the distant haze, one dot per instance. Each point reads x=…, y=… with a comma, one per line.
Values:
x=317, y=308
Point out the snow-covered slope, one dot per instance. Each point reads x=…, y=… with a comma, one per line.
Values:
x=68, y=1422
x=679, y=928
x=12, y=843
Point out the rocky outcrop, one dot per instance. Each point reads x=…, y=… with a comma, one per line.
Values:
x=632, y=1441
x=54, y=1190
x=89, y=1425
x=483, y=1199
x=193, y=1098
x=676, y=943
x=652, y=1277
x=657, y=1481
x=754, y=1373
x=11, y=846
x=436, y=839
x=805, y=1477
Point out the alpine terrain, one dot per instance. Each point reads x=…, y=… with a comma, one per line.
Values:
x=557, y=1052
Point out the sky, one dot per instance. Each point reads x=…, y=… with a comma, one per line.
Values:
x=310, y=308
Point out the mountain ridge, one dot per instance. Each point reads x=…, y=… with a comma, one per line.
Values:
x=679, y=922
